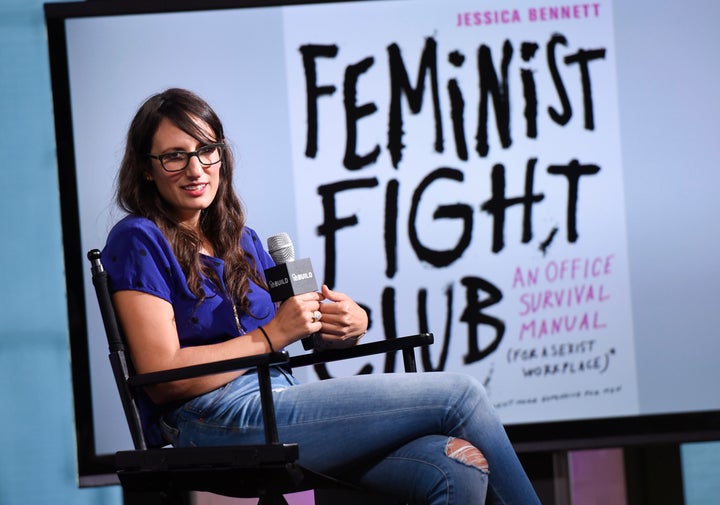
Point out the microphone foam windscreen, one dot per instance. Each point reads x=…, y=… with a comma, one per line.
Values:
x=281, y=248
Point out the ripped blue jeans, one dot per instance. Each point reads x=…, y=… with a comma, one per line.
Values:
x=388, y=432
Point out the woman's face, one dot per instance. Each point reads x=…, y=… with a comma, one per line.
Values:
x=191, y=190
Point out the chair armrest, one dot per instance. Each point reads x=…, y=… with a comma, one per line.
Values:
x=371, y=348
x=227, y=365
x=282, y=357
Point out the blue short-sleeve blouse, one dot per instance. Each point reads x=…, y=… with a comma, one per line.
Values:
x=138, y=257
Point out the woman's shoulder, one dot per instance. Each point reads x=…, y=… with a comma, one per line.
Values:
x=139, y=234
x=134, y=225
x=250, y=235
x=138, y=257
x=251, y=243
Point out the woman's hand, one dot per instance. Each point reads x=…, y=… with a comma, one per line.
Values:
x=294, y=319
x=343, y=321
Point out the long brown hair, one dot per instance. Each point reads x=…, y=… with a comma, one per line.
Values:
x=221, y=223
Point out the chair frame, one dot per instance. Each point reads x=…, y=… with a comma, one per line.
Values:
x=267, y=471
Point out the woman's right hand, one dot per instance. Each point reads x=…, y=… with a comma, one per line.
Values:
x=294, y=319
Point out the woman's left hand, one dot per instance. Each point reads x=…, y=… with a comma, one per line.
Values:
x=343, y=320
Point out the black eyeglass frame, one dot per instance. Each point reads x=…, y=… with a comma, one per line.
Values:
x=219, y=145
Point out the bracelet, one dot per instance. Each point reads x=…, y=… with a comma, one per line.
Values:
x=266, y=338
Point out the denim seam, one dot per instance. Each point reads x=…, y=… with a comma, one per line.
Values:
x=225, y=427
x=371, y=415
x=415, y=460
x=452, y=430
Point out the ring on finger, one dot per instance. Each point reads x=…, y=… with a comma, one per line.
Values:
x=316, y=316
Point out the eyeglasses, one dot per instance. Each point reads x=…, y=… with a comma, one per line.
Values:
x=177, y=161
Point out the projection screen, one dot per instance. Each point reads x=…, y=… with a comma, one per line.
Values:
x=531, y=182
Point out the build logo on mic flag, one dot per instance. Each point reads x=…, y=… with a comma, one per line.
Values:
x=291, y=278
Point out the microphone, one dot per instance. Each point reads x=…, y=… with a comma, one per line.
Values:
x=289, y=277
x=281, y=248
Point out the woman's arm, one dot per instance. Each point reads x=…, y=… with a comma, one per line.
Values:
x=148, y=323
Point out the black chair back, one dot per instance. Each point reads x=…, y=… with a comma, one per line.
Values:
x=118, y=353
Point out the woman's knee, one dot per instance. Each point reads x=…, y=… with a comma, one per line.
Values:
x=464, y=452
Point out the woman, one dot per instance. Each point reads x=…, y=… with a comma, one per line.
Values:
x=187, y=282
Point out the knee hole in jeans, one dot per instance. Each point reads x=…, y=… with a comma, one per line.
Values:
x=466, y=453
